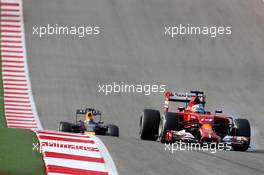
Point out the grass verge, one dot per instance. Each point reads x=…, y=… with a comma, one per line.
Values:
x=17, y=155
x=2, y=117
x=16, y=146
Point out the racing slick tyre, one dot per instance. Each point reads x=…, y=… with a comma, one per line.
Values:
x=113, y=130
x=65, y=127
x=169, y=121
x=242, y=129
x=149, y=124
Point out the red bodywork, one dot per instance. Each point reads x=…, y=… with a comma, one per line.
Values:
x=206, y=122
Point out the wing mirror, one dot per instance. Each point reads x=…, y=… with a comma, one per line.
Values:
x=218, y=111
x=181, y=108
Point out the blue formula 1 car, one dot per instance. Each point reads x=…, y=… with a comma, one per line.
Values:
x=89, y=121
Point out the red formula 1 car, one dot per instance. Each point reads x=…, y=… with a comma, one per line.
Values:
x=192, y=123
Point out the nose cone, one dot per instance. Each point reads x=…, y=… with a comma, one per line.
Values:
x=207, y=133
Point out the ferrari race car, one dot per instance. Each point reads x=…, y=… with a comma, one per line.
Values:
x=192, y=123
x=89, y=121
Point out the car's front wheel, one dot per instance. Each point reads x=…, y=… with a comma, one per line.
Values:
x=242, y=129
x=149, y=124
x=113, y=130
x=65, y=127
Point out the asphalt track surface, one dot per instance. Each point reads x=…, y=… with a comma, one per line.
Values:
x=132, y=48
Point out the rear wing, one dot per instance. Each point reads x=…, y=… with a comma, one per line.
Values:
x=183, y=97
x=83, y=111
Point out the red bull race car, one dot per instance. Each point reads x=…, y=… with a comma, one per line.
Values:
x=89, y=121
x=192, y=123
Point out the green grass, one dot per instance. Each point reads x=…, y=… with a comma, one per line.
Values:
x=16, y=147
x=2, y=119
x=17, y=155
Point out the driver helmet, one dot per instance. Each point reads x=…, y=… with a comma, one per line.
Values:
x=198, y=108
x=88, y=116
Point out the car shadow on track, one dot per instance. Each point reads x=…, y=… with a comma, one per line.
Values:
x=259, y=151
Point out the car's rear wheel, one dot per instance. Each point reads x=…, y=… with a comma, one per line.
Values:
x=169, y=121
x=65, y=127
x=149, y=124
x=242, y=129
x=113, y=130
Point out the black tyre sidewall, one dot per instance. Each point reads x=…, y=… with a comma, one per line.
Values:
x=65, y=127
x=113, y=130
x=243, y=129
x=149, y=124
